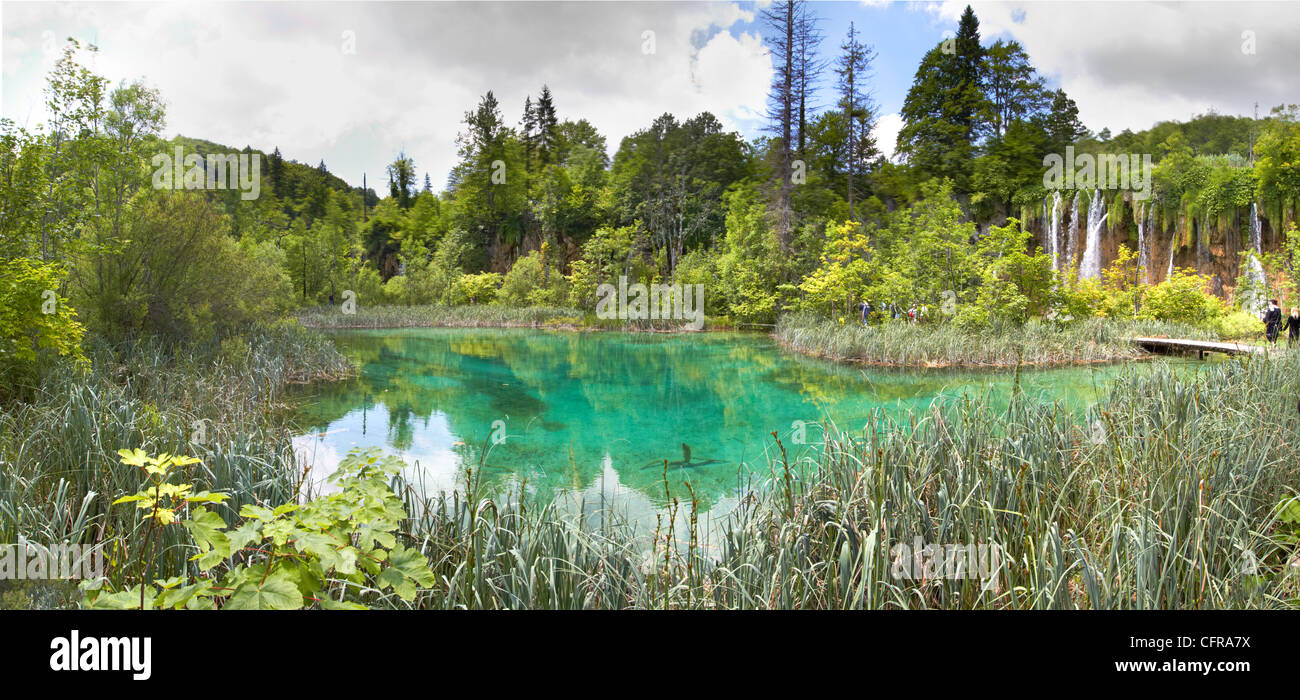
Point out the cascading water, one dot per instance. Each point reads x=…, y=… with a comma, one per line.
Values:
x=1071, y=242
x=1173, y=246
x=1143, y=262
x=1090, y=267
x=1052, y=229
x=1254, y=297
x=1256, y=231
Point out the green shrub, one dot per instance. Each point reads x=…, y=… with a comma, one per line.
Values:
x=36, y=324
x=1237, y=324
x=335, y=551
x=476, y=289
x=1183, y=298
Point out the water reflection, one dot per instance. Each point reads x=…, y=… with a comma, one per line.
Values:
x=592, y=417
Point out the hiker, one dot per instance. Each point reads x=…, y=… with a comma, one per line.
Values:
x=1293, y=326
x=1272, y=321
x=864, y=310
x=911, y=315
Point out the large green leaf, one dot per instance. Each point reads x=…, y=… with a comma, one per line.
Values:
x=276, y=593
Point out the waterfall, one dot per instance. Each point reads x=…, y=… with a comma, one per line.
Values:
x=1142, y=236
x=1254, y=297
x=1053, y=233
x=1071, y=242
x=1256, y=232
x=1173, y=246
x=1090, y=267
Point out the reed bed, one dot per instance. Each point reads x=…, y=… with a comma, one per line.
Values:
x=222, y=403
x=1165, y=495
x=999, y=345
x=477, y=316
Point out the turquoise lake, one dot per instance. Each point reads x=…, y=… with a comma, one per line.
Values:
x=593, y=416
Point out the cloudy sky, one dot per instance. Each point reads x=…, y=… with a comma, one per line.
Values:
x=354, y=83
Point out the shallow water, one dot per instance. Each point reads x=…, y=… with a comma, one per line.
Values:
x=595, y=415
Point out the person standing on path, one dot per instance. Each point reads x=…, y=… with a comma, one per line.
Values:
x=1272, y=321
x=1292, y=326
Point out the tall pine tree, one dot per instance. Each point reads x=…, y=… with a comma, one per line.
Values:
x=855, y=105
x=944, y=107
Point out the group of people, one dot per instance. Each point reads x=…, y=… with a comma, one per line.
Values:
x=895, y=311
x=1273, y=323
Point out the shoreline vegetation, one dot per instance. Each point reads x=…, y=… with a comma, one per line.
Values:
x=483, y=316
x=888, y=344
x=1036, y=343
x=222, y=402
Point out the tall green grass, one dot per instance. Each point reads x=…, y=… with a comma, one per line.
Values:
x=1163, y=496
x=999, y=345
x=223, y=403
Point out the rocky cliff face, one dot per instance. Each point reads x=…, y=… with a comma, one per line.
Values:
x=1210, y=246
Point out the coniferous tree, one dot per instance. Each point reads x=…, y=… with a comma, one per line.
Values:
x=1062, y=121
x=547, y=124
x=275, y=171
x=528, y=132
x=808, y=69
x=782, y=20
x=855, y=104
x=944, y=108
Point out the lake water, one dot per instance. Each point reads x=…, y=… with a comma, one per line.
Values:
x=593, y=416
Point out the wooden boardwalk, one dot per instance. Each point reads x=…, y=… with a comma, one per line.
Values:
x=1200, y=347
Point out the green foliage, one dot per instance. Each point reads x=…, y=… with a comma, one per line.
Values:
x=606, y=256
x=481, y=288
x=1183, y=298
x=844, y=273
x=1016, y=285
x=36, y=324
x=532, y=281
x=334, y=551
x=748, y=268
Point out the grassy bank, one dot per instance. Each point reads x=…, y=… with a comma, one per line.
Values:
x=481, y=316
x=1166, y=496
x=478, y=316
x=223, y=403
x=999, y=345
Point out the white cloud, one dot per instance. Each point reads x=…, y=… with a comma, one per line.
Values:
x=886, y=132
x=276, y=74
x=1129, y=65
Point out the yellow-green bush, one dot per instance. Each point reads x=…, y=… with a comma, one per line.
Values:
x=476, y=289
x=36, y=324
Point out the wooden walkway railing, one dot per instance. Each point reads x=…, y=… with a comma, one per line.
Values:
x=1200, y=346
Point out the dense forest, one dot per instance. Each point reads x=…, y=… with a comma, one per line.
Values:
x=808, y=217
